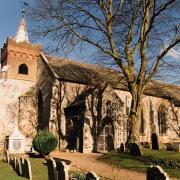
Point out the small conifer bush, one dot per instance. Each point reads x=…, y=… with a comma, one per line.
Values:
x=44, y=142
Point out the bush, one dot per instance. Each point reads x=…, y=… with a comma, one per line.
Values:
x=44, y=142
x=76, y=174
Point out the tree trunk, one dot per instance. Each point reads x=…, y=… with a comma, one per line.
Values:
x=95, y=144
x=134, y=118
x=133, y=136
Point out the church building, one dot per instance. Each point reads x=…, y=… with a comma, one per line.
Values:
x=85, y=106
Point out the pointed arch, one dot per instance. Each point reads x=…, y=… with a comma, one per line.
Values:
x=106, y=135
x=162, y=119
x=142, y=123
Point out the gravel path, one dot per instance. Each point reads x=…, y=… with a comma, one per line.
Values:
x=90, y=162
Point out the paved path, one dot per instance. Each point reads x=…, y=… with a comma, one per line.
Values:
x=90, y=162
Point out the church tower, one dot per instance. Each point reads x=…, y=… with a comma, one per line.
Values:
x=19, y=57
x=18, y=79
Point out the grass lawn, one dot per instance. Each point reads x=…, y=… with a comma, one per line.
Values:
x=39, y=170
x=168, y=160
x=8, y=173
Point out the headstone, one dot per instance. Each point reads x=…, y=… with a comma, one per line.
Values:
x=22, y=166
x=134, y=149
x=62, y=170
x=19, y=167
x=27, y=169
x=7, y=157
x=156, y=173
x=122, y=148
x=52, y=169
x=15, y=163
x=92, y=176
x=155, y=144
x=10, y=160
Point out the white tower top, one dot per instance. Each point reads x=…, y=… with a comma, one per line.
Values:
x=22, y=34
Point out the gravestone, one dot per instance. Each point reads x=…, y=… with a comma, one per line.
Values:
x=19, y=167
x=62, y=170
x=134, y=149
x=15, y=163
x=155, y=144
x=92, y=176
x=52, y=169
x=12, y=162
x=7, y=157
x=110, y=142
x=122, y=148
x=22, y=166
x=156, y=173
x=27, y=169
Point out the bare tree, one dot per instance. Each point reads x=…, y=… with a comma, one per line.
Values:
x=95, y=105
x=134, y=35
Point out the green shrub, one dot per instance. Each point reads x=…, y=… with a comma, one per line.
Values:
x=76, y=174
x=44, y=142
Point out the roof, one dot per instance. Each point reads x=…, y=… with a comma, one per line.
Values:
x=73, y=71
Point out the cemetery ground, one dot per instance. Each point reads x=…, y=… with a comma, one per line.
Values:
x=112, y=165
x=168, y=160
x=39, y=170
x=7, y=172
x=119, y=166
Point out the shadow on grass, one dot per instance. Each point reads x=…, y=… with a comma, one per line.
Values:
x=169, y=161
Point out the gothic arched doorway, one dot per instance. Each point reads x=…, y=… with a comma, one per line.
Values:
x=106, y=138
x=74, y=132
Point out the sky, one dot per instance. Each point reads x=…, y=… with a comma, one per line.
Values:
x=10, y=12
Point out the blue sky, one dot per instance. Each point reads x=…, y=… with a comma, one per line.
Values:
x=10, y=12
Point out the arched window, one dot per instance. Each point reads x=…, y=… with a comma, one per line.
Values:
x=162, y=119
x=23, y=69
x=108, y=108
x=141, y=129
